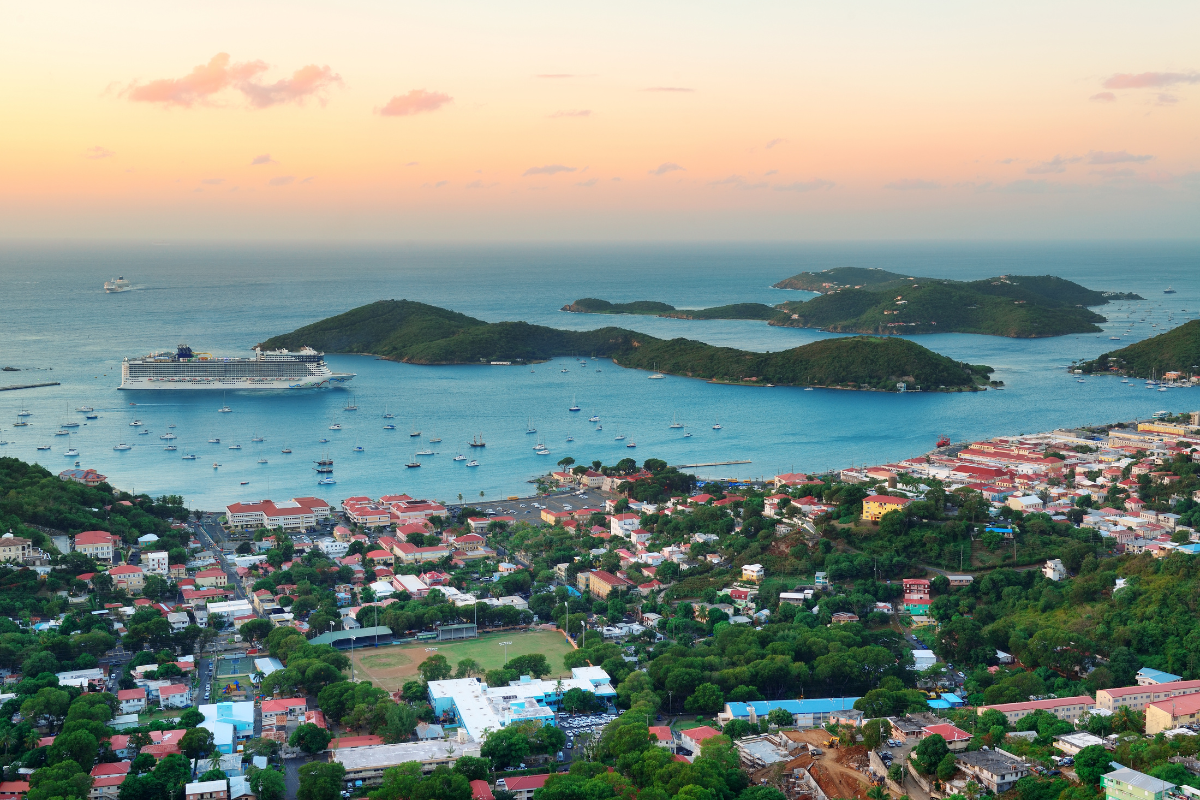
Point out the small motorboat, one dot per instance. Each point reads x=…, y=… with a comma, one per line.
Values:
x=121, y=446
x=335, y=427
x=358, y=448
x=389, y=427
x=135, y=423
x=323, y=441
x=245, y=483
x=326, y=482
x=594, y=418
x=459, y=457
x=44, y=447
x=215, y=465
x=235, y=447
x=144, y=432
x=286, y=450
x=570, y=438
x=472, y=463
x=91, y=416
x=85, y=409
x=167, y=436
x=189, y=456
x=214, y=440
x=262, y=461
x=171, y=448
x=424, y=452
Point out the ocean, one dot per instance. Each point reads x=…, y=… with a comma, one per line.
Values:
x=58, y=324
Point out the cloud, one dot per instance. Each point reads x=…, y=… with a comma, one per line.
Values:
x=309, y=179
x=549, y=169
x=1054, y=165
x=1024, y=186
x=478, y=184
x=665, y=167
x=96, y=153
x=1118, y=157
x=412, y=163
x=1167, y=99
x=588, y=182
x=804, y=186
x=265, y=158
x=1006, y=161
x=909, y=184
x=1150, y=80
x=774, y=142
x=581, y=113
x=1114, y=172
x=417, y=101
x=770, y=172
x=221, y=73
x=282, y=180
x=738, y=182
x=1104, y=97
x=668, y=89
x=213, y=181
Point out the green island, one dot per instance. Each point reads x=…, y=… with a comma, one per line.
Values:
x=652, y=308
x=418, y=333
x=857, y=300
x=1177, y=350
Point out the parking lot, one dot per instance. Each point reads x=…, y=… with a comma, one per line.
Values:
x=529, y=509
x=574, y=724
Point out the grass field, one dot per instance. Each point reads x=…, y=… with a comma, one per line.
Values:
x=389, y=667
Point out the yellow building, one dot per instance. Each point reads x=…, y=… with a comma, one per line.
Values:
x=1164, y=715
x=14, y=548
x=1164, y=427
x=875, y=506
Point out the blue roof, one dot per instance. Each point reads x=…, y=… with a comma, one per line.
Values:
x=939, y=704
x=950, y=697
x=1158, y=676
x=1192, y=548
x=819, y=705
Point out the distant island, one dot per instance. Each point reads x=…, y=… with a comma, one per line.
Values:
x=1176, y=350
x=651, y=308
x=858, y=300
x=418, y=333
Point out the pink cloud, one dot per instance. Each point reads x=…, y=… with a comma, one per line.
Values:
x=580, y=113
x=549, y=169
x=668, y=89
x=1167, y=99
x=664, y=168
x=1150, y=80
x=911, y=184
x=221, y=73
x=417, y=101
x=96, y=153
x=1117, y=157
x=1104, y=97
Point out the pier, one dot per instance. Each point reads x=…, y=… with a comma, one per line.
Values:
x=27, y=386
x=713, y=464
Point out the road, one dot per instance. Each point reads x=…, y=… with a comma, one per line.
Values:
x=212, y=537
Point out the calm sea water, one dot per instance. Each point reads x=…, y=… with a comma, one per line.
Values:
x=58, y=324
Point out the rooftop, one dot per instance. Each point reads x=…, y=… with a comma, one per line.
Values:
x=388, y=755
x=1138, y=779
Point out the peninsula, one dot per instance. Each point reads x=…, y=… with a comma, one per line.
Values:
x=1176, y=350
x=856, y=300
x=591, y=305
x=418, y=333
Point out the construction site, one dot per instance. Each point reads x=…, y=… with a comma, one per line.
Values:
x=806, y=765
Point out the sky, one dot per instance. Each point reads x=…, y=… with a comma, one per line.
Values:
x=622, y=121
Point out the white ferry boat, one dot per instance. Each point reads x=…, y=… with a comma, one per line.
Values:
x=117, y=285
x=268, y=369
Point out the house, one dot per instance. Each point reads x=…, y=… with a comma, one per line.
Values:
x=128, y=577
x=601, y=583
x=88, y=477
x=1148, y=677
x=211, y=578
x=663, y=736
x=994, y=769
x=923, y=659
x=693, y=739
x=523, y=786
x=14, y=790
x=1128, y=784
x=156, y=563
x=381, y=557
x=1066, y=708
x=843, y=617
x=132, y=701
x=481, y=791
x=207, y=790
x=754, y=573
x=1028, y=503
x=279, y=711
x=1054, y=570
x=956, y=738
x=624, y=524
x=876, y=505
x=14, y=548
x=176, y=695
x=96, y=544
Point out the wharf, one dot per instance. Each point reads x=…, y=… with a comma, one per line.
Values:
x=27, y=386
x=713, y=464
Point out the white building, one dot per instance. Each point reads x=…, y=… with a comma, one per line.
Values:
x=923, y=659
x=753, y=572
x=333, y=548
x=178, y=620
x=297, y=514
x=1054, y=570
x=231, y=609
x=156, y=563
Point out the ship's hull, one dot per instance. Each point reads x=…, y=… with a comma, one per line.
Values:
x=112, y=290
x=238, y=384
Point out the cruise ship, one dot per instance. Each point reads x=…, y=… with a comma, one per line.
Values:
x=117, y=285
x=268, y=369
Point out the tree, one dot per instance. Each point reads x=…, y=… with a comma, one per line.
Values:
x=780, y=717
x=761, y=793
x=896, y=773
x=310, y=738
x=190, y=718
x=268, y=784
x=877, y=792
x=1091, y=762
x=196, y=743
x=929, y=753
x=435, y=668
x=947, y=767
x=78, y=746
x=213, y=775
x=65, y=779
x=320, y=780
x=256, y=630
x=506, y=747
x=578, y=701
x=873, y=733
x=467, y=667
x=707, y=699
x=534, y=664
x=473, y=768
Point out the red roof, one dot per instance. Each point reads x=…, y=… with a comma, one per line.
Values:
x=609, y=578
x=94, y=537
x=948, y=732
x=662, y=733
x=99, y=780
x=278, y=706
x=481, y=791
x=700, y=734
x=526, y=782
x=125, y=569
x=173, y=689
x=354, y=741
x=131, y=694
x=115, y=768
x=211, y=572
x=887, y=499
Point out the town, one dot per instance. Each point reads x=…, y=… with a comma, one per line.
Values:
x=1013, y=616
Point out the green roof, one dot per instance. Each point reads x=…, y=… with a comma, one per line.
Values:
x=359, y=633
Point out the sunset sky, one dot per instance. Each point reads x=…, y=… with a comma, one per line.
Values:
x=457, y=121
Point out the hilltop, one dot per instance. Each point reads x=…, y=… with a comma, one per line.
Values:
x=412, y=332
x=855, y=300
x=1177, y=350
x=592, y=305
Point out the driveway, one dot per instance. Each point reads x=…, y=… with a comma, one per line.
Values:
x=291, y=775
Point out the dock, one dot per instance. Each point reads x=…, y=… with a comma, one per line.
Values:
x=27, y=386
x=713, y=464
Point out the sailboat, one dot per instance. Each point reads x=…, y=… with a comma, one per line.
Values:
x=286, y=449
x=619, y=437
x=214, y=440
x=529, y=426
x=254, y=437
x=387, y=415
x=350, y=405
x=477, y=441
x=224, y=409
x=262, y=460
x=425, y=452
x=717, y=425
x=170, y=448
x=657, y=376
x=686, y=433
x=414, y=433
x=574, y=405
x=389, y=427
x=121, y=446
x=434, y=439
x=189, y=456
x=85, y=409
x=235, y=446
x=43, y=447
x=675, y=424
x=324, y=465
x=358, y=447
x=24, y=413
x=326, y=482
x=414, y=463
x=70, y=452
x=594, y=418
x=460, y=457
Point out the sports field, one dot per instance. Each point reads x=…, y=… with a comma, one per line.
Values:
x=389, y=667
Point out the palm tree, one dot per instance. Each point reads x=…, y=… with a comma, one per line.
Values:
x=9, y=737
x=877, y=792
x=31, y=740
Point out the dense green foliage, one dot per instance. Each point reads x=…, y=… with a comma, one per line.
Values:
x=591, y=305
x=419, y=333
x=1177, y=350
x=876, y=301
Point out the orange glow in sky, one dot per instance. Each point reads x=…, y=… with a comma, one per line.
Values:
x=619, y=121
